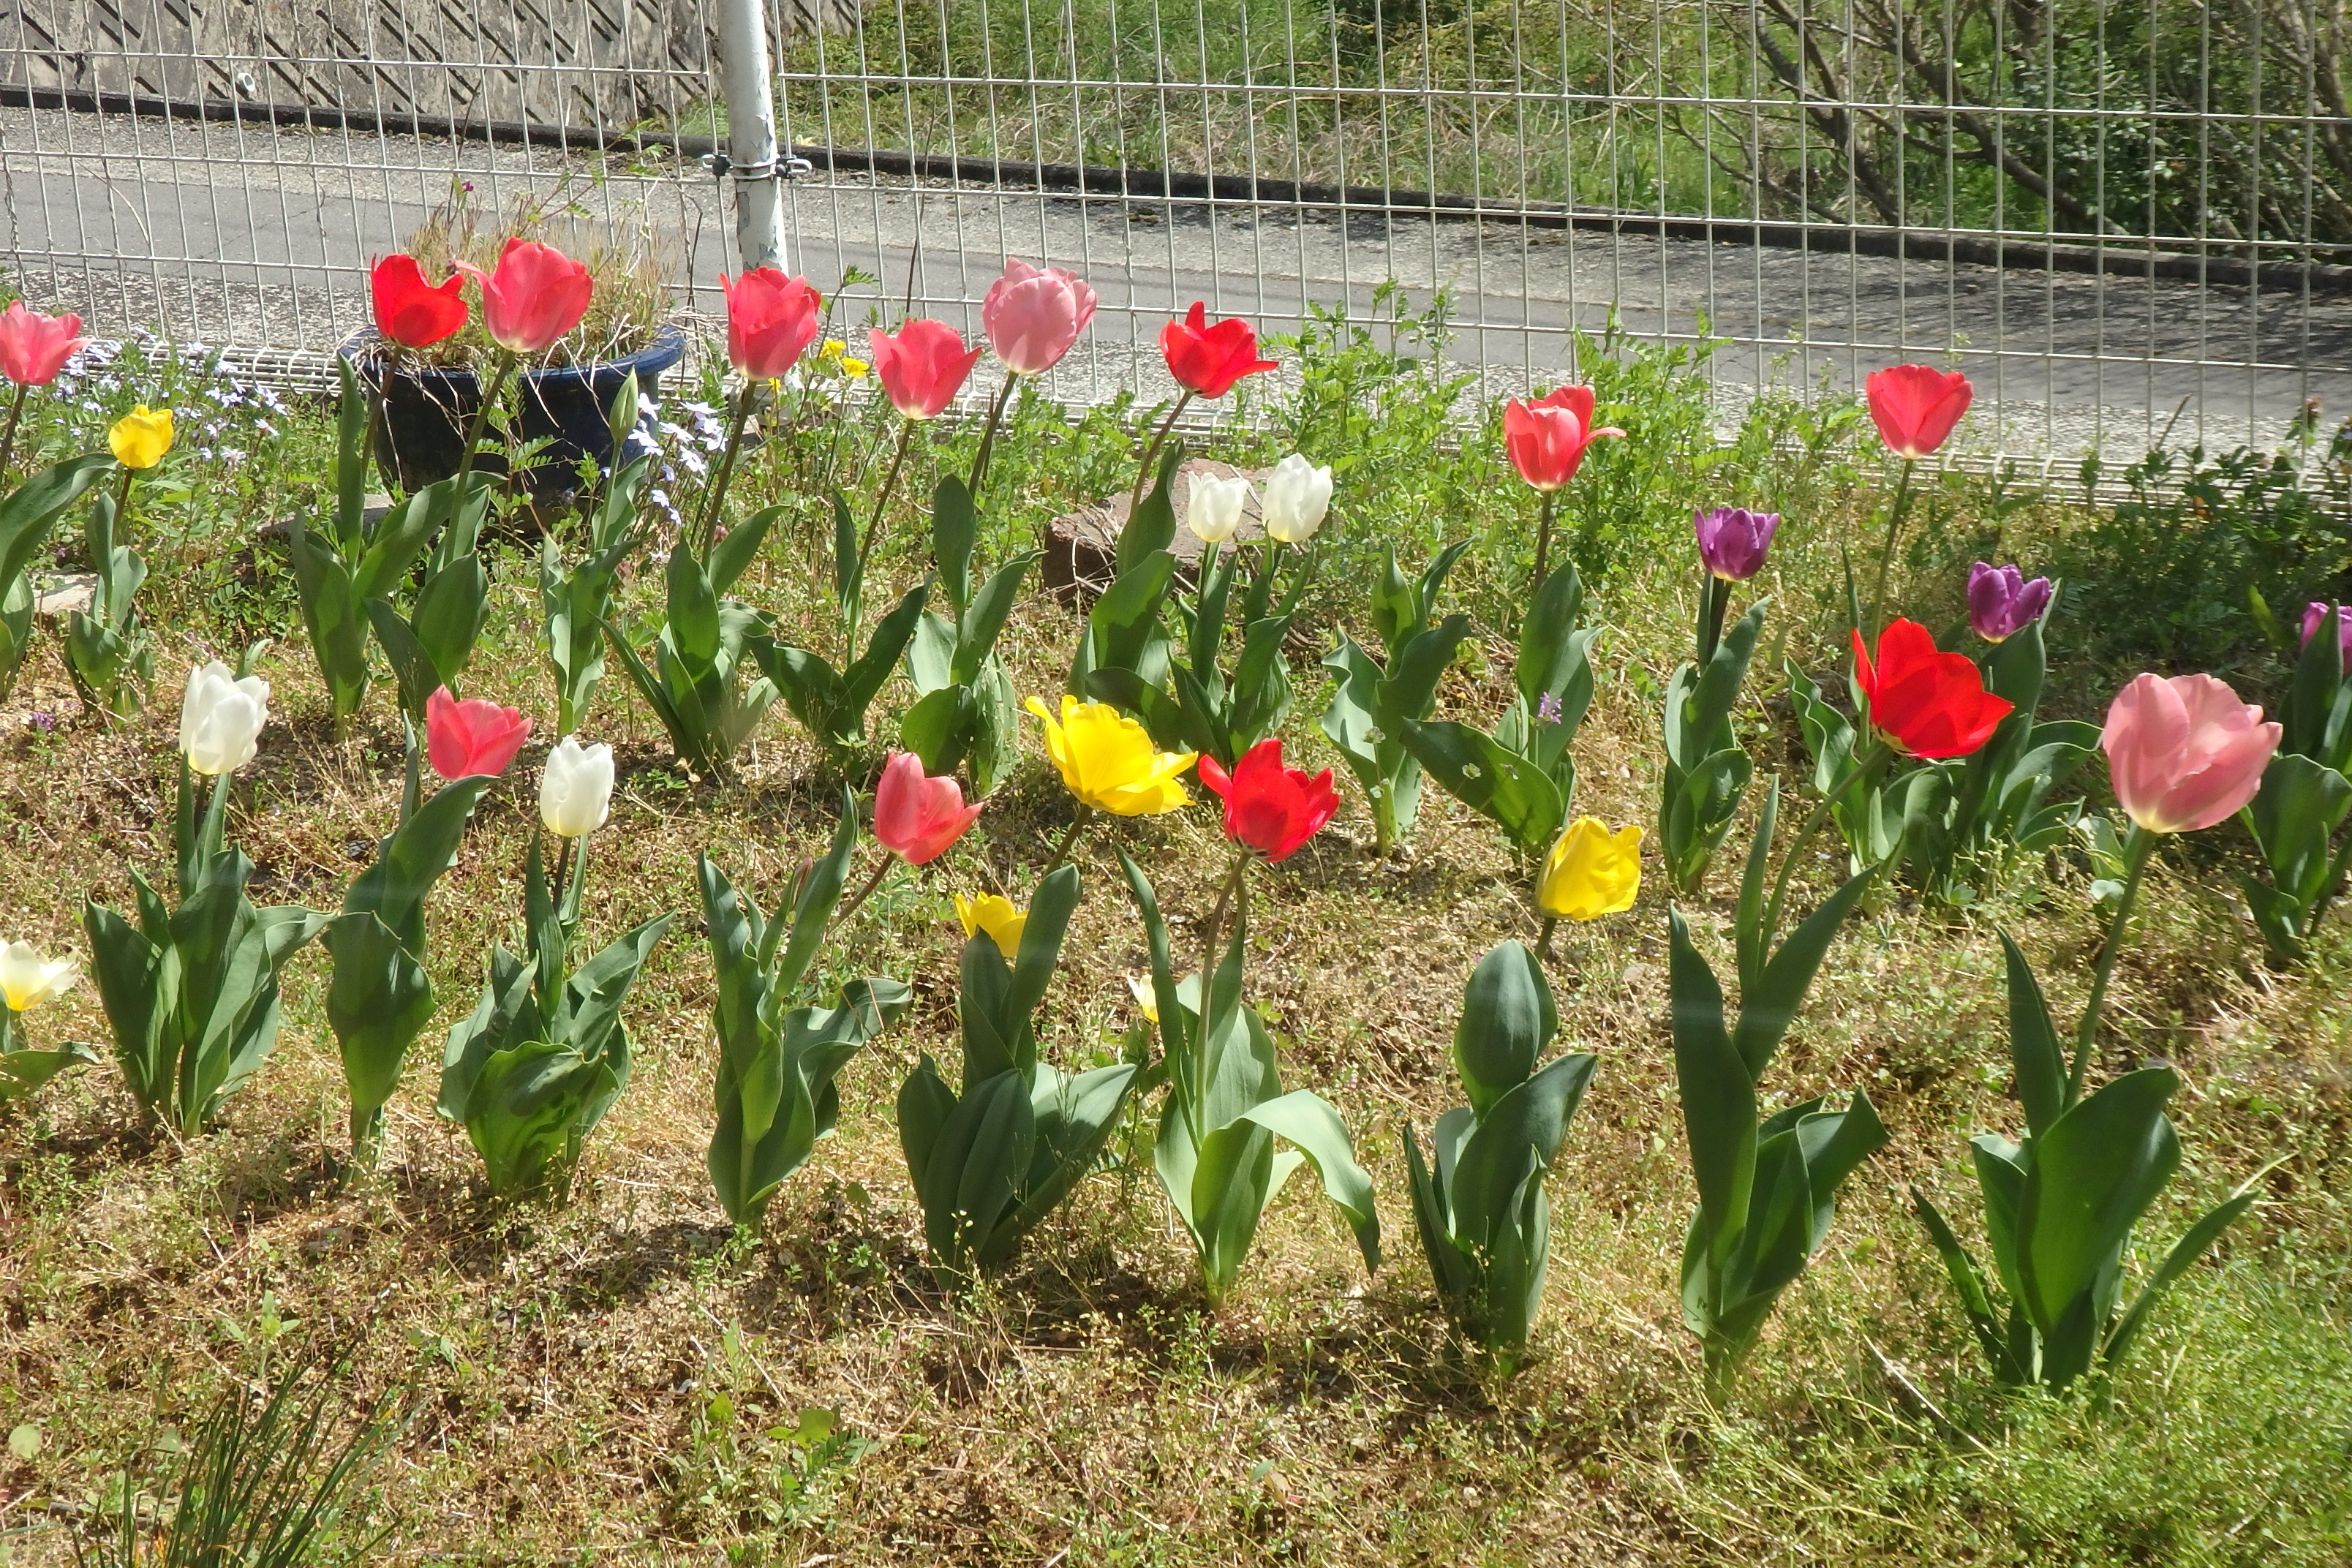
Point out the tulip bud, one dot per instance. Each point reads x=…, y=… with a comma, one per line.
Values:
x=576, y=791
x=1297, y=495
x=1213, y=508
x=26, y=978
x=221, y=719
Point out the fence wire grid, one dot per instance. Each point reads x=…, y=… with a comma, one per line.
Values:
x=2129, y=222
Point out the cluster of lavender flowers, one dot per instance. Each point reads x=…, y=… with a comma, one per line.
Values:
x=219, y=415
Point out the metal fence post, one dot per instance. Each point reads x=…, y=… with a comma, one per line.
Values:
x=751, y=153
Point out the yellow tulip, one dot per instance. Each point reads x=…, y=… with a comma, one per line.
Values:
x=140, y=437
x=1592, y=871
x=1146, y=996
x=1105, y=760
x=996, y=915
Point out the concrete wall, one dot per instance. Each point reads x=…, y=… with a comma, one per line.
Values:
x=589, y=63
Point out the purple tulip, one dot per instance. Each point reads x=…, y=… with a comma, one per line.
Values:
x=2315, y=615
x=1732, y=541
x=2002, y=602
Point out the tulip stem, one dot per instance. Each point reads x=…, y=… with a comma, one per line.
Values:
x=2137, y=849
x=1714, y=604
x=882, y=503
x=1151, y=455
x=1873, y=760
x=15, y=413
x=1895, y=511
x=988, y=434
x=841, y=916
x=725, y=474
x=504, y=367
x=1543, y=539
x=1543, y=943
x=1236, y=882
x=1069, y=842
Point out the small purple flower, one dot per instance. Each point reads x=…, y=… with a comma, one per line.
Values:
x=41, y=719
x=1548, y=709
x=2002, y=602
x=2315, y=615
x=1732, y=541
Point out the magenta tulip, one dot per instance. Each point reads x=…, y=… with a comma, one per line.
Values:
x=1732, y=541
x=536, y=296
x=2002, y=602
x=2314, y=616
x=1033, y=315
x=917, y=818
x=34, y=347
x=2185, y=754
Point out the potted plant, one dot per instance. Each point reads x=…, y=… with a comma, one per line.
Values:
x=588, y=327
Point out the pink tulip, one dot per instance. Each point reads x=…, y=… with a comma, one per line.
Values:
x=771, y=322
x=1916, y=406
x=2185, y=754
x=536, y=296
x=1546, y=439
x=34, y=347
x=922, y=368
x=915, y=817
x=473, y=739
x=1033, y=314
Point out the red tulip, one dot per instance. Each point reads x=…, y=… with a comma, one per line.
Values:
x=2185, y=754
x=473, y=739
x=1033, y=314
x=1271, y=808
x=409, y=310
x=915, y=817
x=1929, y=704
x=771, y=322
x=536, y=296
x=1916, y=406
x=34, y=347
x=922, y=368
x=1547, y=439
x=1207, y=360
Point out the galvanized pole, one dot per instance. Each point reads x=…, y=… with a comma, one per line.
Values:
x=751, y=152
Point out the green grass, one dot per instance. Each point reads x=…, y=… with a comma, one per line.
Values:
x=626, y=1380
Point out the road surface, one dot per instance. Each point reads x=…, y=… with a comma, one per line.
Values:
x=258, y=234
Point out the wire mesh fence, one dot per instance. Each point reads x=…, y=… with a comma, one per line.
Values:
x=2127, y=221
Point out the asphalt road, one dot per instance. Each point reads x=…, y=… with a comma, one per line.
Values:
x=256, y=236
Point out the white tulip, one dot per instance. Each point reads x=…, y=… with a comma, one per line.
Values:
x=1214, y=509
x=576, y=791
x=1297, y=494
x=221, y=719
x=25, y=977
